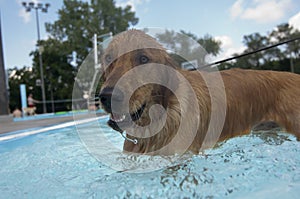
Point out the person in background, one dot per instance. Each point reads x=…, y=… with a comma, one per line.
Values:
x=30, y=110
x=31, y=102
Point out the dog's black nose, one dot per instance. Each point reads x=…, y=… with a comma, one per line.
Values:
x=109, y=94
x=105, y=98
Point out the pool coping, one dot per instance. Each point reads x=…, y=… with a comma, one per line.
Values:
x=36, y=130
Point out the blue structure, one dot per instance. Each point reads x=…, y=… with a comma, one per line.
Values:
x=23, y=96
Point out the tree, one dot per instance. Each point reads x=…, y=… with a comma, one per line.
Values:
x=59, y=73
x=285, y=57
x=79, y=21
x=211, y=45
x=25, y=75
x=187, y=46
x=254, y=42
x=71, y=34
x=290, y=50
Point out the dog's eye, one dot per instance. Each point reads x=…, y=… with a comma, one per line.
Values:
x=144, y=59
x=108, y=59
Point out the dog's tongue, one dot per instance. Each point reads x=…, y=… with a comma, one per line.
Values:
x=115, y=116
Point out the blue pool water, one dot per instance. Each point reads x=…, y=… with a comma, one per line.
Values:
x=57, y=164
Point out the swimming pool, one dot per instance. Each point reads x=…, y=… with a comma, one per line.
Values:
x=57, y=164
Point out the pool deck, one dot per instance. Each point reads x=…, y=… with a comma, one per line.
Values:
x=7, y=124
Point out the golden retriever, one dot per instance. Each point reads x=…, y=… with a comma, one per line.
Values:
x=248, y=98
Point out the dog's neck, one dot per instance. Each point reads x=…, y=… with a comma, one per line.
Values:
x=178, y=131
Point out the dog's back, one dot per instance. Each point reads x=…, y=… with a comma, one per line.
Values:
x=257, y=96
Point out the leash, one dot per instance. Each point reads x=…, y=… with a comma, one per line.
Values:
x=245, y=54
x=134, y=141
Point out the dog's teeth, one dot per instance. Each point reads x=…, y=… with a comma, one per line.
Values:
x=122, y=118
x=118, y=118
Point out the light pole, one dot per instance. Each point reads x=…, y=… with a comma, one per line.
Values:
x=44, y=8
x=3, y=86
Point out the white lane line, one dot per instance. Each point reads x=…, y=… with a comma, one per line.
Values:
x=50, y=128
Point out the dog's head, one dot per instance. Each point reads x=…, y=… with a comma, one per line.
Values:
x=136, y=77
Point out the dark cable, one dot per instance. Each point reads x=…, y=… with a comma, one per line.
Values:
x=246, y=54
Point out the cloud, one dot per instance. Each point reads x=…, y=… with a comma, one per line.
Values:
x=228, y=48
x=26, y=16
x=132, y=3
x=260, y=11
x=236, y=9
x=295, y=21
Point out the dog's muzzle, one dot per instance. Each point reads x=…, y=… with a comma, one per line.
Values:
x=108, y=94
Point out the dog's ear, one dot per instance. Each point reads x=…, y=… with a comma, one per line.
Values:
x=171, y=79
x=171, y=60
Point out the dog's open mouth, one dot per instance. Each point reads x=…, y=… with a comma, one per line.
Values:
x=119, y=121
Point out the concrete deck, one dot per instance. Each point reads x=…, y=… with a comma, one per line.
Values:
x=8, y=125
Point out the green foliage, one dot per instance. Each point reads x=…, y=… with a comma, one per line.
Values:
x=72, y=33
x=185, y=46
x=282, y=58
x=79, y=21
x=211, y=45
x=17, y=76
x=59, y=74
x=254, y=42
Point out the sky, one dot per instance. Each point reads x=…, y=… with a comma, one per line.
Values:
x=225, y=20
